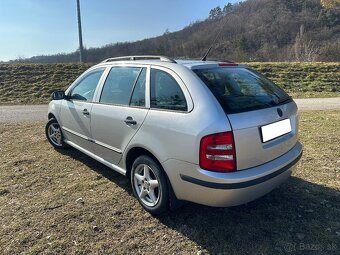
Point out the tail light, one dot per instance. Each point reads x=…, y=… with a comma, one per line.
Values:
x=227, y=64
x=217, y=152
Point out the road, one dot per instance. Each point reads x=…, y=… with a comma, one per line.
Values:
x=23, y=113
x=310, y=104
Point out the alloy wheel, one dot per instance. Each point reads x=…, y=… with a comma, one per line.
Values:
x=146, y=185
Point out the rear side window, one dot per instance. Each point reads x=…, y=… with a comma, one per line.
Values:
x=241, y=89
x=165, y=92
x=119, y=85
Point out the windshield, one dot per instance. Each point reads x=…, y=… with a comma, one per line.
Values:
x=241, y=89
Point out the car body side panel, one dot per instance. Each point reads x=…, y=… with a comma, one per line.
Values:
x=110, y=133
x=76, y=125
x=176, y=135
x=54, y=108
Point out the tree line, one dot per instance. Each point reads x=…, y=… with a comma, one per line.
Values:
x=254, y=30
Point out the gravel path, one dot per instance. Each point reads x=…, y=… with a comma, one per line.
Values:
x=310, y=104
x=22, y=113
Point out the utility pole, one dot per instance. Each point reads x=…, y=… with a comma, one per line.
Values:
x=81, y=49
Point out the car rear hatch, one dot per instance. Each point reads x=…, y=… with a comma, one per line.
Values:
x=263, y=117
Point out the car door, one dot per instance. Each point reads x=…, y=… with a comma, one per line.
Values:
x=75, y=111
x=119, y=112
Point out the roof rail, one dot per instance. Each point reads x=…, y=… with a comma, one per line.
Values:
x=146, y=57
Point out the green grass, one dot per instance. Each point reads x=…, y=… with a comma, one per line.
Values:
x=34, y=83
x=39, y=187
x=302, y=80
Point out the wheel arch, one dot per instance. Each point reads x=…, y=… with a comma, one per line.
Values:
x=50, y=116
x=134, y=153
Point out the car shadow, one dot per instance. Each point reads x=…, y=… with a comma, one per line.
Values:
x=296, y=217
x=98, y=167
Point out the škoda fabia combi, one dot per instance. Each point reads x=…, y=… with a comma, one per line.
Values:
x=213, y=133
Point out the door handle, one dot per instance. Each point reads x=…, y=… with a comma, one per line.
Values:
x=130, y=121
x=86, y=112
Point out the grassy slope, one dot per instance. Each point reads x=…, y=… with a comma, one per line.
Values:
x=39, y=213
x=33, y=83
x=303, y=79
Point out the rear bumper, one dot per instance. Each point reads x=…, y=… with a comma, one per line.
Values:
x=229, y=189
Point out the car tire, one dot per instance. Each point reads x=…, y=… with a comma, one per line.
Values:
x=149, y=185
x=54, y=134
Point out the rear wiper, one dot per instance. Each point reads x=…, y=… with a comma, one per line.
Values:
x=285, y=100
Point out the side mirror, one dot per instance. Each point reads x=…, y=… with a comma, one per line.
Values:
x=58, y=95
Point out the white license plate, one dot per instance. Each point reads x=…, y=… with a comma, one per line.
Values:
x=276, y=129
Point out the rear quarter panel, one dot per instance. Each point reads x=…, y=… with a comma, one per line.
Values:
x=177, y=135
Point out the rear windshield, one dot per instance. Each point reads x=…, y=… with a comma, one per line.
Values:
x=242, y=89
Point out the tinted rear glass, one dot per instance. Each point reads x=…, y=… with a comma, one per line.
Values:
x=165, y=92
x=241, y=89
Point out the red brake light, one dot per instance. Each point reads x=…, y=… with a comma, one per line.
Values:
x=217, y=152
x=227, y=64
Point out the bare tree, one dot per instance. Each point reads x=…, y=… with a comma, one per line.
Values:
x=330, y=4
x=304, y=49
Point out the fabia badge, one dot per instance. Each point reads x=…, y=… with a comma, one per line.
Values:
x=279, y=112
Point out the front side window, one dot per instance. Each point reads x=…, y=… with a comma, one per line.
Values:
x=119, y=85
x=165, y=92
x=84, y=90
x=241, y=89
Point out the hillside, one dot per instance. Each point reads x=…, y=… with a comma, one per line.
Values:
x=34, y=83
x=254, y=30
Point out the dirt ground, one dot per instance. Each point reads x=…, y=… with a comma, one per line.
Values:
x=55, y=202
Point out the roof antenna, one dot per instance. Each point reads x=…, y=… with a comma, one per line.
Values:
x=217, y=36
x=207, y=53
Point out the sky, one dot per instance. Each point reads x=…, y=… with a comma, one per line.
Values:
x=43, y=27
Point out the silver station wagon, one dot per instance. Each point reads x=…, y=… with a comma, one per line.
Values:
x=213, y=133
